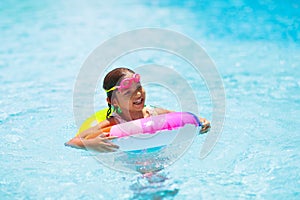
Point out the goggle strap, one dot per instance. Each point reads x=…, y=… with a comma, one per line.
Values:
x=111, y=89
x=136, y=78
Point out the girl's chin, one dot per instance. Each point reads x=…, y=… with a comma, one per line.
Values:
x=138, y=107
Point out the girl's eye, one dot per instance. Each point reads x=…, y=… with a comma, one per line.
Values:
x=127, y=93
x=130, y=92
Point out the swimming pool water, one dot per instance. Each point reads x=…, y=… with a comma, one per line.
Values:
x=255, y=46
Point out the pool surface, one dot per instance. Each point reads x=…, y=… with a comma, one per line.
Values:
x=255, y=47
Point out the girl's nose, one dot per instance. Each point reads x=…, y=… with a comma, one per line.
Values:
x=138, y=94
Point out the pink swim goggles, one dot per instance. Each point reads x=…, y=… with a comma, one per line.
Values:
x=126, y=83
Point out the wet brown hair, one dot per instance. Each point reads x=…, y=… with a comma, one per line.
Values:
x=111, y=80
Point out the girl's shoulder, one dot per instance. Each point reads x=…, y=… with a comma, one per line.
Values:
x=149, y=110
x=153, y=110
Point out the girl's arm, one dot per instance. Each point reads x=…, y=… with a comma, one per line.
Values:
x=99, y=143
x=161, y=111
x=97, y=128
x=205, y=123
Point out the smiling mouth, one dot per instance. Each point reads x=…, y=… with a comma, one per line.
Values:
x=138, y=101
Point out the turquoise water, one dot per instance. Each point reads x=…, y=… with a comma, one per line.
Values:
x=255, y=46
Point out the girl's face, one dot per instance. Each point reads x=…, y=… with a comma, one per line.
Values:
x=130, y=99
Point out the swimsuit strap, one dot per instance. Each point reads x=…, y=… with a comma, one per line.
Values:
x=118, y=117
x=150, y=109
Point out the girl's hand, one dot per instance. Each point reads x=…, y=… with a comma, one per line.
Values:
x=100, y=143
x=205, y=125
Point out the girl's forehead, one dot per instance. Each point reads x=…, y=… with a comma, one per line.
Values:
x=122, y=77
x=134, y=86
x=127, y=75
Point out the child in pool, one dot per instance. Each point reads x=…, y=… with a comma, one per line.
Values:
x=126, y=100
